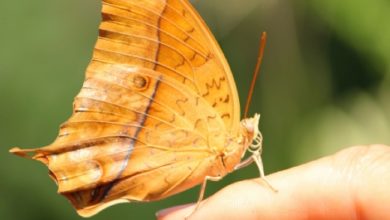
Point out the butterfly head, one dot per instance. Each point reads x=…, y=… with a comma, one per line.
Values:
x=250, y=129
x=253, y=140
x=249, y=139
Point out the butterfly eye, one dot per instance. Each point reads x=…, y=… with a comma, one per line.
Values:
x=140, y=82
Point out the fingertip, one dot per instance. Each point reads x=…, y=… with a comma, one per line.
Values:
x=317, y=190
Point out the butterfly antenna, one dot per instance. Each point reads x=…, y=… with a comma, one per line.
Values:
x=256, y=73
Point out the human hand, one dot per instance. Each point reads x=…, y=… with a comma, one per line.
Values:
x=351, y=184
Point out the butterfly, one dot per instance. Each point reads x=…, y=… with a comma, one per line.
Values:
x=158, y=112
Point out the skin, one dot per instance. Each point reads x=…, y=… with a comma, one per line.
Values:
x=351, y=184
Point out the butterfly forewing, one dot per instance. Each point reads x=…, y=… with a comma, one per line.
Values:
x=170, y=37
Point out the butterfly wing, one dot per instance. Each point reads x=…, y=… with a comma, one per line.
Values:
x=157, y=100
x=170, y=37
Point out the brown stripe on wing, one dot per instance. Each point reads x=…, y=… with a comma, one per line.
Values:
x=106, y=189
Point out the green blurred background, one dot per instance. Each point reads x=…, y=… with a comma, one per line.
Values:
x=324, y=85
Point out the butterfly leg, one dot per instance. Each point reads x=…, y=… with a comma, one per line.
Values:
x=259, y=162
x=244, y=163
x=202, y=191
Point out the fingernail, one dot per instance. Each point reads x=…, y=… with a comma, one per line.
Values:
x=165, y=212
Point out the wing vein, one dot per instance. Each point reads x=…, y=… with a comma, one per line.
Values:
x=147, y=60
x=159, y=15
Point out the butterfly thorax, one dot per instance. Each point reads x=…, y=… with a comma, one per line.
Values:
x=249, y=138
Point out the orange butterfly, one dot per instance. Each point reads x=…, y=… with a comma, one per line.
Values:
x=158, y=112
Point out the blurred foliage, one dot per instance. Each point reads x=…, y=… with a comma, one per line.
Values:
x=324, y=85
